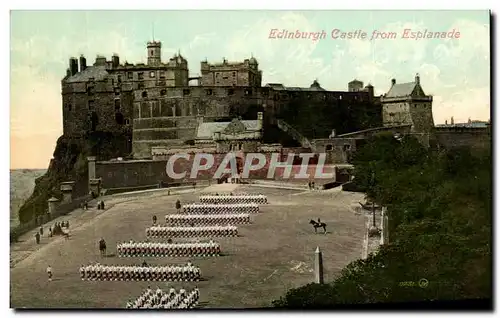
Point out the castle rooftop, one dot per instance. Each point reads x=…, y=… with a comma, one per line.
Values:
x=98, y=73
x=401, y=90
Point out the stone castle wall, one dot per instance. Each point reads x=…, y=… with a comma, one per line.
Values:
x=453, y=137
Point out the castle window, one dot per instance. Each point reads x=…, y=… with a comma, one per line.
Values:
x=144, y=94
x=329, y=147
x=141, y=75
x=265, y=92
x=90, y=90
x=117, y=91
x=248, y=92
x=163, y=92
x=230, y=91
x=127, y=121
x=130, y=75
x=119, y=78
x=119, y=118
x=340, y=97
x=162, y=74
x=347, y=147
x=69, y=107
x=112, y=81
x=91, y=105
x=117, y=105
x=234, y=74
x=140, y=85
x=152, y=74
x=152, y=52
x=391, y=114
x=209, y=92
x=185, y=92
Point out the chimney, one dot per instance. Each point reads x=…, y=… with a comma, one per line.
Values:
x=100, y=61
x=393, y=82
x=68, y=72
x=83, y=63
x=446, y=122
x=417, y=79
x=452, y=121
x=73, y=66
x=116, y=60
x=469, y=121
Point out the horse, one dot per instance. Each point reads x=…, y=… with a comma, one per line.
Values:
x=65, y=233
x=102, y=247
x=318, y=224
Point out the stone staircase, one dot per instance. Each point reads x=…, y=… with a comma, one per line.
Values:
x=287, y=128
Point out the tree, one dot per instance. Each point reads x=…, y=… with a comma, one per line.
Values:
x=440, y=225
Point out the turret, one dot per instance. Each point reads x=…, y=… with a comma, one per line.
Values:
x=154, y=53
x=417, y=79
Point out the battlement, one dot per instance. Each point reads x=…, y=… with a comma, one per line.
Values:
x=154, y=44
x=205, y=65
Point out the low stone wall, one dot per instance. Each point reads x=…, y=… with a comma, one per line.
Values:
x=60, y=210
x=151, y=173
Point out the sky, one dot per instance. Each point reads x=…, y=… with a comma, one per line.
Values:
x=455, y=71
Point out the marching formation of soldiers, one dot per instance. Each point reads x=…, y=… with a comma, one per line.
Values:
x=205, y=208
x=207, y=220
x=148, y=249
x=187, y=272
x=195, y=231
x=227, y=199
x=172, y=300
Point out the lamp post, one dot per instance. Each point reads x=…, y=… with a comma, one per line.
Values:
x=373, y=231
x=373, y=202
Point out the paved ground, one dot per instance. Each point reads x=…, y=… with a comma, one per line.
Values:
x=271, y=255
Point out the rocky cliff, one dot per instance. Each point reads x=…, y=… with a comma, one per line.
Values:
x=69, y=163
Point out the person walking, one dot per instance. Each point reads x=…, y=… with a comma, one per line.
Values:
x=49, y=273
x=37, y=238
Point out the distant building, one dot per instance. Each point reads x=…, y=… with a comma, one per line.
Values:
x=468, y=124
x=407, y=104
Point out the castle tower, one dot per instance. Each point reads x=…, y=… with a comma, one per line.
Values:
x=355, y=86
x=154, y=53
x=407, y=104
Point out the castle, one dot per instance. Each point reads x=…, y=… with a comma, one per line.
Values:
x=161, y=110
x=157, y=105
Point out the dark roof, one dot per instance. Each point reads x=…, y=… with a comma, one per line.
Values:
x=355, y=81
x=207, y=130
x=315, y=87
x=98, y=73
x=401, y=90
